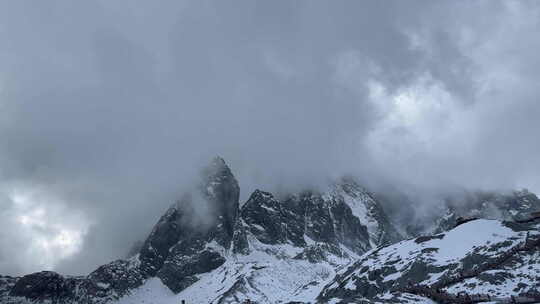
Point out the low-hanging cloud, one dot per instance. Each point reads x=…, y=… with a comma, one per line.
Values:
x=108, y=109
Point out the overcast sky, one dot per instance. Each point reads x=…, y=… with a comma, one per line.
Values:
x=107, y=108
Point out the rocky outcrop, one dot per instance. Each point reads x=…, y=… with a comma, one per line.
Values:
x=178, y=247
x=188, y=259
x=271, y=221
x=106, y=283
x=287, y=249
x=185, y=242
x=476, y=258
x=335, y=244
x=43, y=285
x=278, y=248
x=344, y=215
x=508, y=206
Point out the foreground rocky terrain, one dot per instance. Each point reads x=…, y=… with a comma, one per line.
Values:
x=482, y=259
x=331, y=246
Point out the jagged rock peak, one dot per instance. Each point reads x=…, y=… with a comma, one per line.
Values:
x=259, y=196
x=270, y=220
x=218, y=160
x=222, y=191
x=219, y=185
x=197, y=251
x=204, y=215
x=365, y=206
x=216, y=169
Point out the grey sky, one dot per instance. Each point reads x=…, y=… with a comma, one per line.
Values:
x=107, y=108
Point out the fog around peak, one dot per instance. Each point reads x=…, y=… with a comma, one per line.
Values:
x=108, y=110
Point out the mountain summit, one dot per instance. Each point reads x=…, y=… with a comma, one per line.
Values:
x=334, y=245
x=193, y=236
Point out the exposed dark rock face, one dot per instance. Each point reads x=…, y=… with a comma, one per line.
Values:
x=320, y=227
x=222, y=192
x=271, y=221
x=186, y=262
x=175, y=250
x=106, y=283
x=265, y=218
x=6, y=285
x=219, y=192
x=333, y=222
x=240, y=243
x=384, y=232
x=43, y=285
x=165, y=234
x=317, y=217
x=491, y=256
x=119, y=277
x=279, y=250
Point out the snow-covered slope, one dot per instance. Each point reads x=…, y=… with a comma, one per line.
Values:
x=480, y=258
x=269, y=250
x=326, y=246
x=366, y=208
x=269, y=274
x=286, y=250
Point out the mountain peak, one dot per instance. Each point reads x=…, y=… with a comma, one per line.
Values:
x=218, y=160
x=297, y=247
x=217, y=163
x=206, y=214
x=260, y=194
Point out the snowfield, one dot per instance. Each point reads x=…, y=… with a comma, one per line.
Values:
x=270, y=274
x=478, y=257
x=334, y=246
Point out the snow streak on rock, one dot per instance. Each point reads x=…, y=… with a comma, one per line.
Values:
x=330, y=246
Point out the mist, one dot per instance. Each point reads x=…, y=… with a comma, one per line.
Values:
x=109, y=108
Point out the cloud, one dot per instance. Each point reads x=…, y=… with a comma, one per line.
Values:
x=108, y=109
x=36, y=229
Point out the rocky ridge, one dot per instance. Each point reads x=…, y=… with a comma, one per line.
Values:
x=478, y=261
x=510, y=206
x=271, y=250
x=331, y=246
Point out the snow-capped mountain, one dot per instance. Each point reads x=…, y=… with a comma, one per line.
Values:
x=206, y=248
x=330, y=245
x=481, y=259
x=510, y=206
